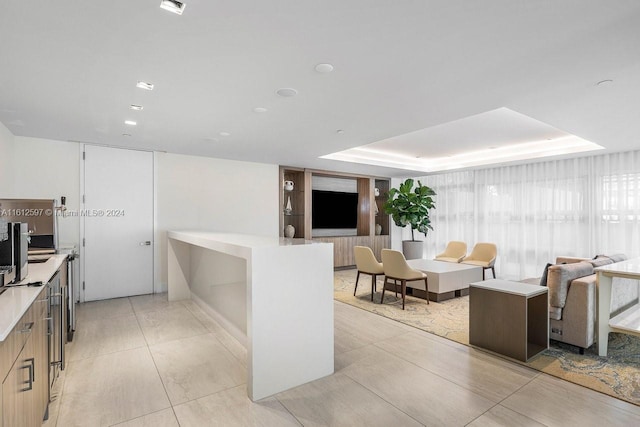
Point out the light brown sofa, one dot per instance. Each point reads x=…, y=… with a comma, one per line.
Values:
x=572, y=298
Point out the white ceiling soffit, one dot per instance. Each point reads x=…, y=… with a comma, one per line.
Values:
x=68, y=71
x=494, y=137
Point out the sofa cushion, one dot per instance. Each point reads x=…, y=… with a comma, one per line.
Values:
x=600, y=260
x=559, y=278
x=617, y=257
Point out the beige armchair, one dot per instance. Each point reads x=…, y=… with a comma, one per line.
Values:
x=483, y=255
x=396, y=268
x=367, y=263
x=454, y=252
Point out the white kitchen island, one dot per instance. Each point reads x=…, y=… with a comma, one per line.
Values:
x=274, y=294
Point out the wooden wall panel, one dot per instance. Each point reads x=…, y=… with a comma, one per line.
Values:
x=364, y=206
x=343, y=247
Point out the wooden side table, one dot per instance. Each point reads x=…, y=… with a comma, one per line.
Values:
x=509, y=318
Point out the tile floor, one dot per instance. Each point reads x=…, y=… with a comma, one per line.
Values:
x=144, y=361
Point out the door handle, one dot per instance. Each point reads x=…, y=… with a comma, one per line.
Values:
x=146, y=243
x=50, y=325
x=27, y=328
x=31, y=368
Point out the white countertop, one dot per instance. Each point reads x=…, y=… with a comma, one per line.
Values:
x=515, y=288
x=233, y=243
x=236, y=239
x=629, y=267
x=16, y=300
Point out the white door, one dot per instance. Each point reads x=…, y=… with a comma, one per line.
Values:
x=118, y=223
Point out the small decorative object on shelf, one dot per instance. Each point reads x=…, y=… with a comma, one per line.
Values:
x=289, y=231
x=376, y=191
x=378, y=229
x=288, y=185
x=287, y=208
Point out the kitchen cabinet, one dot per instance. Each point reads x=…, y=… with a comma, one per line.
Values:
x=25, y=387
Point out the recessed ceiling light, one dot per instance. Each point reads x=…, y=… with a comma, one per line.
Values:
x=173, y=6
x=340, y=131
x=604, y=82
x=144, y=85
x=287, y=92
x=130, y=122
x=136, y=107
x=259, y=110
x=126, y=134
x=324, y=68
x=224, y=134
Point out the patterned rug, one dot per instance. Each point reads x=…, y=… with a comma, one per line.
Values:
x=617, y=375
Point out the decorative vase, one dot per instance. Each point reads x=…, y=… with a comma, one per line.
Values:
x=288, y=185
x=287, y=208
x=378, y=229
x=289, y=231
x=376, y=191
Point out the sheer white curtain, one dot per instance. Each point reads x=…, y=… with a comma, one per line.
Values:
x=535, y=212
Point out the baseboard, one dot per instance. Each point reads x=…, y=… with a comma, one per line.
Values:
x=233, y=330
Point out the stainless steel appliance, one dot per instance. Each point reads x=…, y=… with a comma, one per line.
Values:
x=57, y=324
x=21, y=248
x=7, y=252
x=73, y=290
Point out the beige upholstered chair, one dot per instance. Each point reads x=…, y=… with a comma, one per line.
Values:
x=454, y=252
x=367, y=263
x=483, y=255
x=397, y=269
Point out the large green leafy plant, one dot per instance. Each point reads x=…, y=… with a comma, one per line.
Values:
x=409, y=206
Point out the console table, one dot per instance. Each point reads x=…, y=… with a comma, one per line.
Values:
x=627, y=322
x=509, y=318
x=274, y=294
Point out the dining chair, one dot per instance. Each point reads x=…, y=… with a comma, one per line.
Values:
x=367, y=263
x=396, y=269
x=483, y=255
x=454, y=252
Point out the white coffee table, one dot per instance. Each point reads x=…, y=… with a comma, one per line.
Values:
x=446, y=279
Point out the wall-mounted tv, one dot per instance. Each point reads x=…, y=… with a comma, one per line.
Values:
x=334, y=209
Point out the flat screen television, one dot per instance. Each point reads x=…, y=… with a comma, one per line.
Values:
x=334, y=209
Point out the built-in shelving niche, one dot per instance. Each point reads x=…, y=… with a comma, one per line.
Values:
x=300, y=215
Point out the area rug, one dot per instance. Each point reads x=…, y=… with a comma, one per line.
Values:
x=617, y=375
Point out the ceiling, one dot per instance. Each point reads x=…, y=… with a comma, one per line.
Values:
x=68, y=71
x=496, y=136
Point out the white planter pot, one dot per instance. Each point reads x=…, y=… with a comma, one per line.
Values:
x=413, y=249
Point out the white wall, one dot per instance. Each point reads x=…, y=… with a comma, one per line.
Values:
x=48, y=169
x=6, y=162
x=212, y=194
x=191, y=192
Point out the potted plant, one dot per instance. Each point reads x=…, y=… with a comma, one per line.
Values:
x=410, y=206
